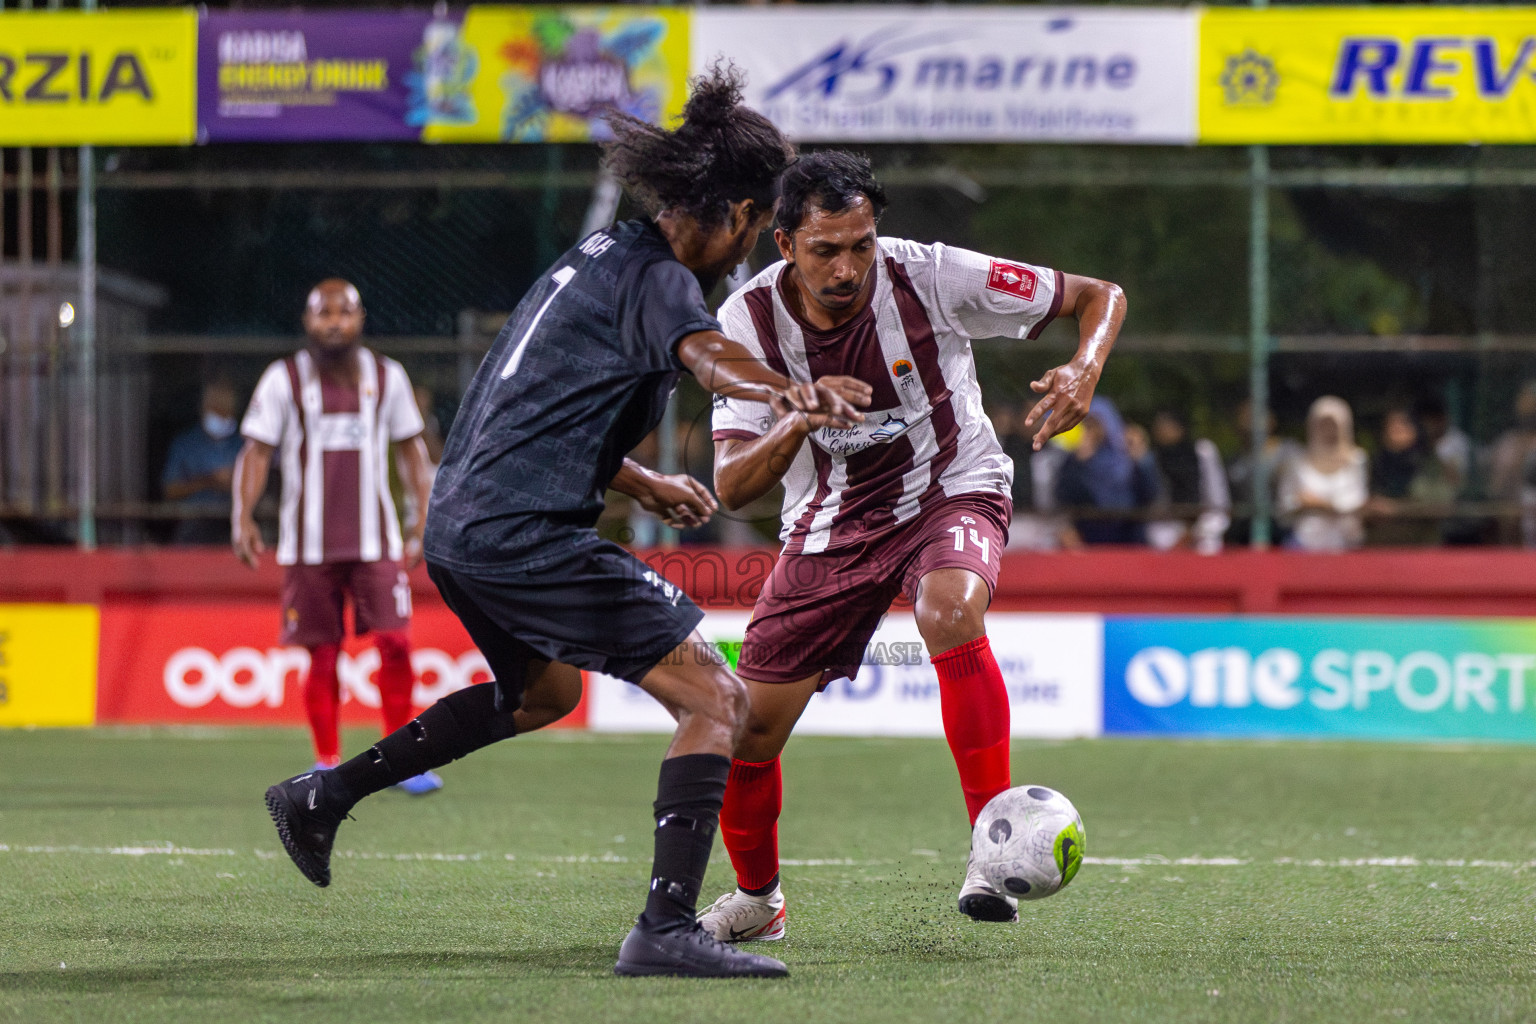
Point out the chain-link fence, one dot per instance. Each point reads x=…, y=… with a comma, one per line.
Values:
x=1397, y=279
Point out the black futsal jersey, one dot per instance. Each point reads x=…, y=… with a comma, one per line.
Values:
x=579, y=375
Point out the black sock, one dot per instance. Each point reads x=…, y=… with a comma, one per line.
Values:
x=462, y=722
x=773, y=884
x=688, y=797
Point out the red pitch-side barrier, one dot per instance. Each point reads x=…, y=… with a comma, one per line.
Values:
x=191, y=635
x=1484, y=582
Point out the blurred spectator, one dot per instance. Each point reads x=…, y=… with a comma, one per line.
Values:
x=1192, y=478
x=1278, y=453
x=199, y=467
x=1037, y=525
x=1399, y=469
x=1101, y=474
x=1449, y=444
x=1323, y=491
x=1398, y=457
x=1510, y=457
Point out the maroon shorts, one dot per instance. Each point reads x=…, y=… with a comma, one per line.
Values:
x=313, y=596
x=817, y=612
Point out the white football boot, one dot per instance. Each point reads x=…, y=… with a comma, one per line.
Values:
x=980, y=902
x=738, y=917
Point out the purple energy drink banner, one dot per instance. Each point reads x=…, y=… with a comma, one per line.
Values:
x=282, y=77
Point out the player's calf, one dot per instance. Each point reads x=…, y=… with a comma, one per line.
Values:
x=459, y=724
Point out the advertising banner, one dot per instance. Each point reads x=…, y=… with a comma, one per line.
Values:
x=1339, y=677
x=220, y=663
x=878, y=73
x=1368, y=74
x=109, y=77
x=290, y=76
x=47, y=664
x=1051, y=664
x=549, y=74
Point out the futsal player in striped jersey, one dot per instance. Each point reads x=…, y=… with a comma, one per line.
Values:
x=914, y=500
x=331, y=413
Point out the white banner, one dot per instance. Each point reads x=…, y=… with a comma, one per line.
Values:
x=1053, y=665
x=893, y=74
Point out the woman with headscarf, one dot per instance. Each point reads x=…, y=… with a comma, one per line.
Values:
x=1102, y=474
x=1323, y=491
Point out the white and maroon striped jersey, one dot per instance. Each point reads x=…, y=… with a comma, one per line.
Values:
x=925, y=436
x=334, y=444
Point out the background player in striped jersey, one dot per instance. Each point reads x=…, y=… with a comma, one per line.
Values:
x=333, y=409
x=913, y=500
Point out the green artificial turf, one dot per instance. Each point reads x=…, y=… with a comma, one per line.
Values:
x=504, y=897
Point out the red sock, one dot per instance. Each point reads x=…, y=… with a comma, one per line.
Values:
x=396, y=679
x=974, y=702
x=749, y=821
x=322, y=700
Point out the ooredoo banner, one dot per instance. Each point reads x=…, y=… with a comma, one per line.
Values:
x=221, y=663
x=890, y=73
x=1325, y=677
x=1051, y=664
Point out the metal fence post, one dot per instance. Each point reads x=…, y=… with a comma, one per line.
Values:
x=85, y=337
x=1258, y=340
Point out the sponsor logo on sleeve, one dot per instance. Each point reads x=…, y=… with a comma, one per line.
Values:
x=1012, y=279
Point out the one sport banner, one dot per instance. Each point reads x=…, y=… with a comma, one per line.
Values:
x=1051, y=664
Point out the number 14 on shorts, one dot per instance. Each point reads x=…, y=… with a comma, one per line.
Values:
x=984, y=544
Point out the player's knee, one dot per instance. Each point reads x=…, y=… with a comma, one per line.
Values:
x=946, y=624
x=728, y=703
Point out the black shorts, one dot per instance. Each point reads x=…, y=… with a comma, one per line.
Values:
x=601, y=609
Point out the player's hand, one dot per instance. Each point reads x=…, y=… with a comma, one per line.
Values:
x=1068, y=390
x=681, y=501
x=246, y=540
x=822, y=404
x=414, y=548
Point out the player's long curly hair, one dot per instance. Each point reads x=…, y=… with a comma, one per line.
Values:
x=721, y=153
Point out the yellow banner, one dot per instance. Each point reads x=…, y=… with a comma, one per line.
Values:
x=1368, y=74
x=113, y=77
x=548, y=74
x=48, y=664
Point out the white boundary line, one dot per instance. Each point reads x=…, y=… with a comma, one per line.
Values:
x=166, y=849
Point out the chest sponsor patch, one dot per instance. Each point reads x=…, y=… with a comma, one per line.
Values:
x=1012, y=279
x=877, y=428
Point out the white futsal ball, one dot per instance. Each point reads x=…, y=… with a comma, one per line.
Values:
x=1028, y=841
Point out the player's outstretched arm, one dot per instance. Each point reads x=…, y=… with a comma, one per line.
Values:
x=747, y=470
x=724, y=367
x=680, y=500
x=252, y=467
x=1099, y=307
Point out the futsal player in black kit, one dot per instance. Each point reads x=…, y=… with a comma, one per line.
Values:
x=578, y=376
